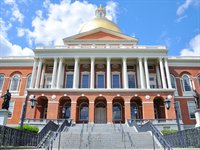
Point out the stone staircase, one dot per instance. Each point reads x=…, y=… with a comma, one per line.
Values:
x=104, y=136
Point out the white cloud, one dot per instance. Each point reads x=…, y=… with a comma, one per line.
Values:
x=181, y=18
x=182, y=8
x=63, y=20
x=16, y=14
x=4, y=27
x=194, y=47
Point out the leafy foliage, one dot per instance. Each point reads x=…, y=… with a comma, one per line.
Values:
x=28, y=128
x=168, y=131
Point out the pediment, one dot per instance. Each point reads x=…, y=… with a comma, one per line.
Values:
x=100, y=34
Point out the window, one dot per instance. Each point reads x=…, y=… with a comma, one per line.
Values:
x=134, y=111
x=48, y=80
x=14, y=85
x=152, y=81
x=198, y=79
x=131, y=80
x=84, y=111
x=100, y=80
x=117, y=111
x=67, y=110
x=191, y=109
x=1, y=81
x=173, y=81
x=11, y=108
x=85, y=82
x=28, y=81
x=116, y=80
x=177, y=105
x=69, y=80
x=186, y=83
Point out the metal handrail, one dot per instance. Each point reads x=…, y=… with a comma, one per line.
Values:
x=81, y=135
x=123, y=134
x=148, y=126
x=49, y=145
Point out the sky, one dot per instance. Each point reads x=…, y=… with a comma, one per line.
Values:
x=25, y=24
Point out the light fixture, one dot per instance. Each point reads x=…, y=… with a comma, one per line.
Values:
x=167, y=103
x=33, y=101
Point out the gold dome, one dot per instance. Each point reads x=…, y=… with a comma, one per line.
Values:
x=100, y=22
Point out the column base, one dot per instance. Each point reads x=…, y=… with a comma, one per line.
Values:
x=3, y=116
x=197, y=116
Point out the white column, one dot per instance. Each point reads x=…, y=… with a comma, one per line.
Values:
x=108, y=73
x=158, y=76
x=75, y=79
x=146, y=73
x=59, y=73
x=92, y=73
x=124, y=71
x=162, y=73
x=138, y=76
x=33, y=73
x=38, y=74
x=141, y=73
x=42, y=76
x=167, y=74
x=53, y=83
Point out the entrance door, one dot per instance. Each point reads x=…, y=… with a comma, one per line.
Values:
x=100, y=115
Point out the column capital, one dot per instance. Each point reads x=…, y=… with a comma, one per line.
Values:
x=76, y=58
x=61, y=59
x=92, y=58
x=108, y=58
x=124, y=58
x=55, y=58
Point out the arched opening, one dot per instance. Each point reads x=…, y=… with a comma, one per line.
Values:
x=136, y=108
x=159, y=108
x=100, y=110
x=118, y=110
x=41, y=107
x=82, y=110
x=65, y=107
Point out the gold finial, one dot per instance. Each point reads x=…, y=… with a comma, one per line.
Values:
x=100, y=7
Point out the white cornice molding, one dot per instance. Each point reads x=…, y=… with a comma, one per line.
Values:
x=16, y=61
x=184, y=61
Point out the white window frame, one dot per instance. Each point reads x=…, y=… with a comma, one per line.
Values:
x=179, y=107
x=100, y=73
x=174, y=78
x=29, y=76
x=186, y=93
x=198, y=80
x=116, y=73
x=69, y=73
x=85, y=73
x=189, y=109
x=10, y=117
x=47, y=75
x=1, y=86
x=15, y=92
x=155, y=79
x=132, y=73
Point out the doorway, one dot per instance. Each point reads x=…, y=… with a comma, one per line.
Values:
x=100, y=112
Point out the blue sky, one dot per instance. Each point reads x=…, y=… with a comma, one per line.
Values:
x=25, y=24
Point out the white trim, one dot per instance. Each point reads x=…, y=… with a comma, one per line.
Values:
x=131, y=73
x=116, y=73
x=186, y=93
x=188, y=108
x=154, y=82
x=47, y=75
x=69, y=73
x=100, y=73
x=12, y=109
x=85, y=73
x=174, y=78
x=18, y=84
x=2, y=82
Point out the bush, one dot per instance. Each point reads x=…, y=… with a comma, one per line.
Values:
x=168, y=131
x=28, y=128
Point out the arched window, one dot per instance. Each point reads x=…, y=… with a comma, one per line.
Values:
x=1, y=81
x=28, y=81
x=186, y=83
x=15, y=80
x=134, y=111
x=198, y=79
x=84, y=111
x=117, y=111
x=67, y=110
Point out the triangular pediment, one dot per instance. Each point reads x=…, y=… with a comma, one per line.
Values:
x=100, y=34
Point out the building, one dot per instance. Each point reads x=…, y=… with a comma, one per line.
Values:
x=101, y=75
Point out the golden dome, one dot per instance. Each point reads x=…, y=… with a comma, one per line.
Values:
x=100, y=22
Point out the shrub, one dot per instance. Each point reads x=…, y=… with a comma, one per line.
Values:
x=168, y=131
x=28, y=128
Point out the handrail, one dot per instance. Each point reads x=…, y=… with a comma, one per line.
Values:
x=148, y=126
x=123, y=134
x=49, y=145
x=81, y=135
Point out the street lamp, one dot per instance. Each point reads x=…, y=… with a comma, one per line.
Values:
x=33, y=103
x=167, y=102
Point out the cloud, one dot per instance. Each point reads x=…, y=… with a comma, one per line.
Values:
x=6, y=47
x=63, y=20
x=16, y=14
x=194, y=47
x=181, y=18
x=182, y=8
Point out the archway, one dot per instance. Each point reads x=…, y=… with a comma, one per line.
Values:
x=136, y=108
x=82, y=110
x=100, y=115
x=118, y=110
x=41, y=107
x=159, y=108
x=65, y=107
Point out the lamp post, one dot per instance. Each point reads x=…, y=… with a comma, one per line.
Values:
x=33, y=103
x=197, y=111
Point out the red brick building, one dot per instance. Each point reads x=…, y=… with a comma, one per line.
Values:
x=101, y=75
